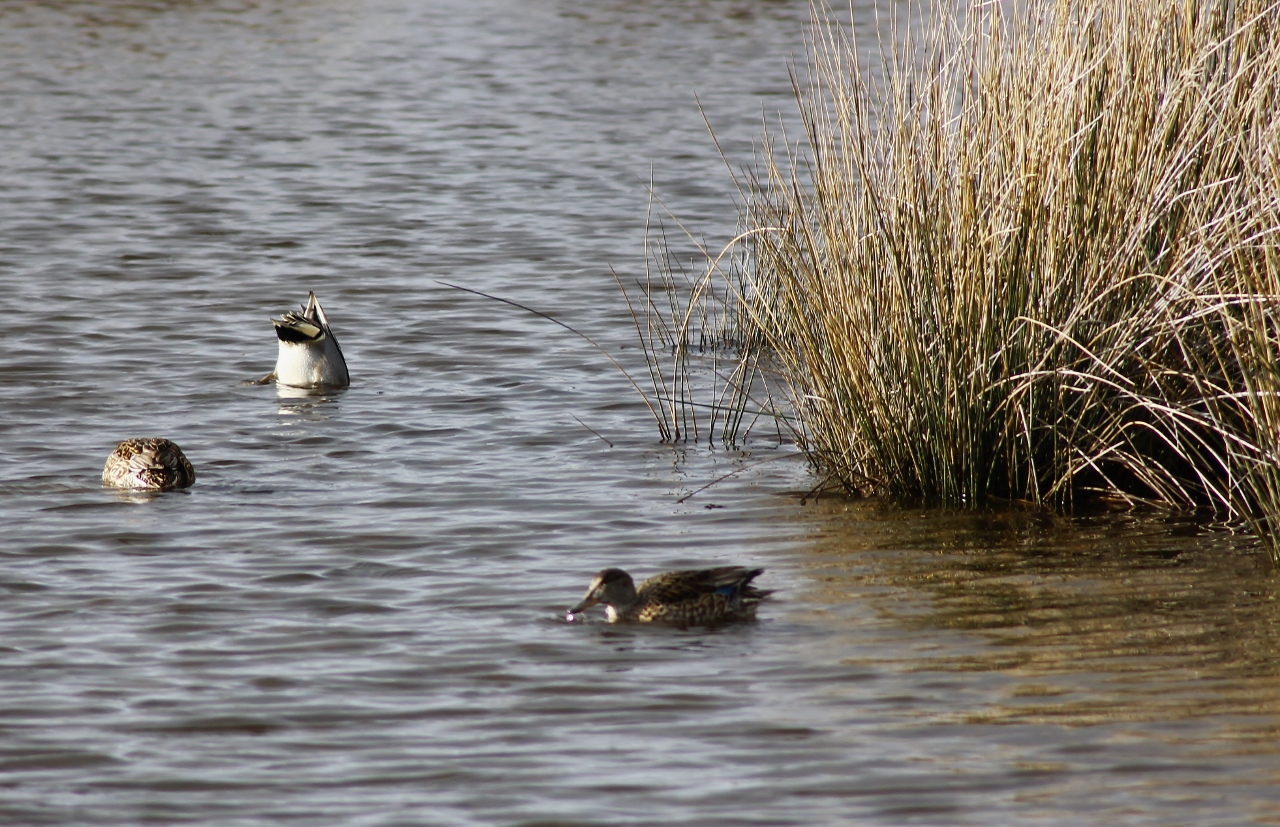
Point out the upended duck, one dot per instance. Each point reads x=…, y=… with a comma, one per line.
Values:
x=152, y=463
x=309, y=354
x=689, y=597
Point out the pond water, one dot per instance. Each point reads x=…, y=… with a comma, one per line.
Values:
x=356, y=615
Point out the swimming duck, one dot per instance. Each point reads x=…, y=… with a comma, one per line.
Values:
x=690, y=597
x=309, y=353
x=152, y=463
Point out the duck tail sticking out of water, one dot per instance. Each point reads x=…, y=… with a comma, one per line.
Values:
x=309, y=353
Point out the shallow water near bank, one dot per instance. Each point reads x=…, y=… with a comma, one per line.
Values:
x=356, y=615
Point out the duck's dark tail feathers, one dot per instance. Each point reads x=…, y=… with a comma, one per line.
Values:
x=741, y=583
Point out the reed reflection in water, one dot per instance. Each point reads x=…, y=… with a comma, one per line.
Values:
x=1117, y=656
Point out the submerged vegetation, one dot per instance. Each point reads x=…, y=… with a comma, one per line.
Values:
x=1021, y=252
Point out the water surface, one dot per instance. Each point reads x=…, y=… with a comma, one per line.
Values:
x=356, y=615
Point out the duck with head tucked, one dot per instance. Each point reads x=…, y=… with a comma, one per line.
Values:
x=689, y=597
x=151, y=463
x=309, y=354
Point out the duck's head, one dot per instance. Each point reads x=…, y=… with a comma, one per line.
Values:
x=612, y=587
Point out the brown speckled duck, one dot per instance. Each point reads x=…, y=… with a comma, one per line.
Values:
x=153, y=463
x=690, y=597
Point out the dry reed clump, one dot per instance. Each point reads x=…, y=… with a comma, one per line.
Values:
x=1032, y=253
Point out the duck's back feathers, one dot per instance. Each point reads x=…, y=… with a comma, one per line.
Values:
x=152, y=463
x=696, y=597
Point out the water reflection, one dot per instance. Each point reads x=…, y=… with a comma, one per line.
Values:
x=1094, y=619
x=141, y=496
x=306, y=402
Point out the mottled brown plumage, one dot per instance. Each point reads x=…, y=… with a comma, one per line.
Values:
x=689, y=597
x=153, y=463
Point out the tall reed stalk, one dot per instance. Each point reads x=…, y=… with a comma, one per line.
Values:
x=1030, y=252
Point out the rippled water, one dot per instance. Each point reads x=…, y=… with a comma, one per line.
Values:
x=355, y=616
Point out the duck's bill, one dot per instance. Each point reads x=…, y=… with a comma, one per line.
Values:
x=582, y=606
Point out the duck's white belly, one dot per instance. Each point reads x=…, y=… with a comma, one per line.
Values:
x=308, y=365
